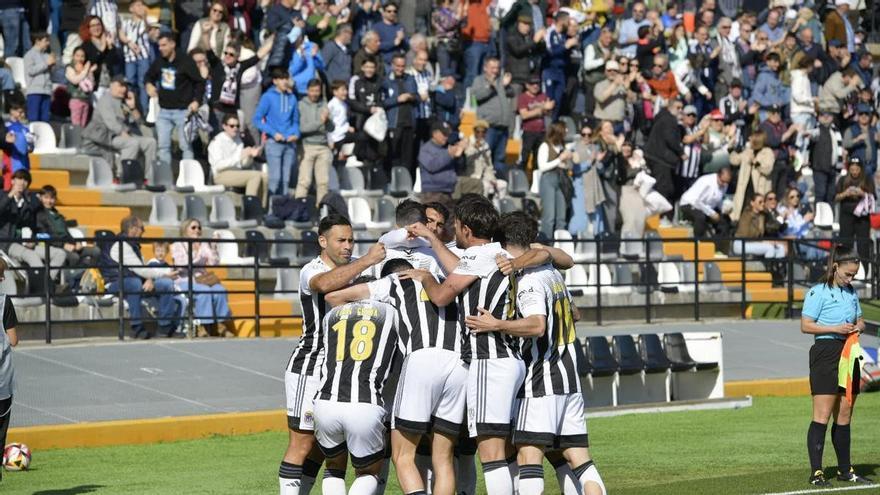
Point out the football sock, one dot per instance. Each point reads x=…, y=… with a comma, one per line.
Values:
x=587, y=472
x=423, y=464
x=310, y=474
x=816, y=444
x=840, y=438
x=497, y=476
x=364, y=484
x=531, y=479
x=568, y=482
x=382, y=479
x=289, y=478
x=417, y=492
x=466, y=474
x=334, y=482
x=513, y=467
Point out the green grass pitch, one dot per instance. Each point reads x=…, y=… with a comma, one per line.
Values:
x=754, y=450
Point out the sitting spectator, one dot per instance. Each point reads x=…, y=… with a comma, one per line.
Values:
x=80, y=75
x=752, y=225
x=24, y=138
x=774, y=225
x=130, y=271
x=18, y=211
x=554, y=163
x=437, y=162
x=701, y=204
x=855, y=199
x=755, y=164
x=210, y=302
x=478, y=175
x=38, y=63
x=231, y=160
x=50, y=221
x=277, y=116
x=796, y=218
x=314, y=123
x=115, y=127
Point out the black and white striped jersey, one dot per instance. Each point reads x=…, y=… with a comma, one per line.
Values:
x=491, y=291
x=551, y=362
x=417, y=252
x=361, y=342
x=423, y=324
x=309, y=352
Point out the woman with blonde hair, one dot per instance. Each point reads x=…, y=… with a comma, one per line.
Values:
x=755, y=164
x=210, y=304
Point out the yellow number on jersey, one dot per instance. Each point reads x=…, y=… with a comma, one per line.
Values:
x=564, y=321
x=423, y=296
x=361, y=347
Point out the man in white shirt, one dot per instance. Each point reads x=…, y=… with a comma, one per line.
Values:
x=230, y=160
x=702, y=202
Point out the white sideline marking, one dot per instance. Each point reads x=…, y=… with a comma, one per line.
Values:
x=43, y=411
x=826, y=490
x=217, y=361
x=120, y=380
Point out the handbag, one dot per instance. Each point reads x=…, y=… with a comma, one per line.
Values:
x=207, y=278
x=377, y=126
x=866, y=206
x=566, y=186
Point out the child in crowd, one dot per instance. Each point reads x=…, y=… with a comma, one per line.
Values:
x=24, y=138
x=38, y=63
x=342, y=134
x=160, y=254
x=278, y=118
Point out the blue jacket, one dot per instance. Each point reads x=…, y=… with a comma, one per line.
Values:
x=280, y=114
x=21, y=147
x=387, y=33
x=557, y=56
x=337, y=62
x=437, y=168
x=392, y=107
x=447, y=106
x=769, y=90
x=304, y=67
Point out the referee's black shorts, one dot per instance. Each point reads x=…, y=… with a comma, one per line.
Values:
x=824, y=361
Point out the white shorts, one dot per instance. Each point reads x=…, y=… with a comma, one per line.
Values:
x=555, y=421
x=353, y=427
x=301, y=391
x=431, y=393
x=491, y=395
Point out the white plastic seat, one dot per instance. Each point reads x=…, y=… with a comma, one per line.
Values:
x=16, y=66
x=45, y=141
x=164, y=211
x=562, y=240
x=631, y=246
x=101, y=176
x=192, y=176
x=417, y=186
x=287, y=283
x=668, y=276
x=361, y=213
x=222, y=210
x=824, y=216
x=576, y=280
x=228, y=251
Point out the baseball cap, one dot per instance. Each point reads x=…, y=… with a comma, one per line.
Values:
x=481, y=124
x=863, y=108
x=689, y=110
x=775, y=108
x=442, y=127
x=612, y=65
x=716, y=115
x=835, y=43
x=534, y=79
x=854, y=160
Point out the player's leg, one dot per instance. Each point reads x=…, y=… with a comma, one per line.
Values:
x=574, y=442
x=365, y=434
x=5, y=416
x=423, y=461
x=531, y=469
x=568, y=482
x=840, y=438
x=442, y=446
x=535, y=426
x=585, y=470
x=403, y=452
x=512, y=465
x=465, y=465
x=302, y=459
x=448, y=418
x=492, y=450
x=334, y=474
x=823, y=406
x=367, y=479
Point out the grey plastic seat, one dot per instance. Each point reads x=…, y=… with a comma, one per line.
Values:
x=517, y=183
x=71, y=136
x=711, y=278
x=655, y=246
x=401, y=182
x=688, y=276
x=284, y=250
x=352, y=183
x=623, y=278
x=101, y=176
x=361, y=244
x=308, y=248
x=383, y=216
x=287, y=283
x=164, y=211
x=163, y=175
x=222, y=210
x=507, y=205
x=194, y=207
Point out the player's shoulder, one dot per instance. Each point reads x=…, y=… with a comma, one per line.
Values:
x=818, y=290
x=480, y=259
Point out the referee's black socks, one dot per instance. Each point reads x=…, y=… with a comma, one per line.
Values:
x=816, y=444
x=840, y=437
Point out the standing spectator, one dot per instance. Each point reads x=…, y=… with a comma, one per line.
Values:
x=392, y=37
x=693, y=135
x=38, y=63
x=239, y=14
x=803, y=103
x=446, y=19
x=532, y=106
x=369, y=51
x=478, y=175
x=130, y=271
x=277, y=117
x=779, y=136
x=437, y=163
x=596, y=55
x=860, y=140
x=136, y=49
x=281, y=17
x=557, y=60
x=342, y=132
x=855, y=224
x=71, y=15
x=16, y=29
x=735, y=110
x=366, y=100
x=663, y=151
x=628, y=37
x=753, y=224
x=524, y=49
x=314, y=123
x=423, y=74
x=24, y=139
x=448, y=102
x=755, y=164
x=401, y=97
x=476, y=33
x=226, y=77
x=768, y=89
x=321, y=24
x=837, y=26
x=826, y=156
x=180, y=90
x=231, y=160
x=663, y=81
x=836, y=90
x=115, y=127
x=610, y=96
x=337, y=55
x=99, y=51
x=211, y=32
x=108, y=11
x=492, y=92
x=554, y=163
x=305, y=63
x=701, y=203
x=704, y=54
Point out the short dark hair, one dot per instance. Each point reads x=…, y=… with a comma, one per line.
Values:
x=229, y=116
x=38, y=35
x=128, y=222
x=330, y=221
x=167, y=37
x=440, y=208
x=15, y=104
x=409, y=212
x=278, y=72
x=22, y=174
x=336, y=84
x=516, y=228
x=363, y=279
x=772, y=56
x=50, y=190
x=342, y=26
x=314, y=82
x=477, y=213
x=397, y=56
x=395, y=265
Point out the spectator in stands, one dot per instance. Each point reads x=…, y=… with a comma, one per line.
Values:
x=552, y=174
x=752, y=224
x=15, y=26
x=400, y=101
x=693, y=135
x=337, y=54
x=38, y=63
x=837, y=89
x=421, y=71
x=492, y=92
x=610, y=96
x=663, y=150
x=523, y=52
x=226, y=76
x=803, y=103
x=596, y=55
x=446, y=20
x=281, y=17
x=855, y=196
x=321, y=23
x=796, y=218
x=24, y=139
x=369, y=50
x=80, y=75
x=448, y=102
x=115, y=126
x=860, y=140
x=838, y=27
x=701, y=204
x=18, y=210
x=826, y=155
x=175, y=80
x=130, y=271
x=231, y=160
x=98, y=44
x=438, y=162
x=136, y=49
x=773, y=222
x=629, y=30
x=768, y=90
x=211, y=32
x=366, y=99
x=755, y=164
x=476, y=34
x=478, y=175
x=210, y=301
x=277, y=116
x=314, y=124
x=557, y=60
x=342, y=133
x=533, y=107
x=588, y=189
x=392, y=36
x=50, y=221
x=306, y=62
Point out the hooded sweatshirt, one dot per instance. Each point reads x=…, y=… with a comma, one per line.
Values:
x=769, y=90
x=280, y=113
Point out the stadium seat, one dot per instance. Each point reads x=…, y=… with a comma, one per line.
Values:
x=417, y=184
x=655, y=246
x=228, y=251
x=824, y=216
x=360, y=213
x=256, y=246
x=651, y=351
x=711, y=278
x=162, y=175
x=191, y=178
x=16, y=66
x=132, y=173
x=688, y=276
x=609, y=246
x=352, y=183
x=600, y=361
x=677, y=352
x=623, y=278
x=624, y=350
x=580, y=358
x=401, y=183
x=101, y=176
x=632, y=247
x=308, y=248
x=223, y=212
x=164, y=211
x=668, y=276
x=507, y=205
x=517, y=183
x=571, y=130
x=287, y=283
x=577, y=250
x=283, y=252
x=384, y=216
x=252, y=209
x=194, y=207
x=45, y=142
x=71, y=136
x=576, y=280
x=648, y=278
x=361, y=243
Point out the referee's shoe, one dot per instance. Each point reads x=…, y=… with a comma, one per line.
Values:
x=818, y=479
x=852, y=477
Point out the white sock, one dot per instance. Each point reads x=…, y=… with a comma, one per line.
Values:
x=513, y=468
x=334, y=482
x=423, y=464
x=568, y=482
x=531, y=479
x=465, y=475
x=383, y=476
x=588, y=472
x=364, y=485
x=497, y=477
x=289, y=479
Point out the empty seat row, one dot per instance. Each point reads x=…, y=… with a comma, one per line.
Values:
x=619, y=278
x=623, y=356
x=223, y=212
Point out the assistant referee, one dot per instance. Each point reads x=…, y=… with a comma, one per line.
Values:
x=8, y=340
x=832, y=312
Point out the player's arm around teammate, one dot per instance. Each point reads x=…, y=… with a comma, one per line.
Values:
x=448, y=259
x=343, y=274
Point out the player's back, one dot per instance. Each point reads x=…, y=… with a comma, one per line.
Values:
x=361, y=342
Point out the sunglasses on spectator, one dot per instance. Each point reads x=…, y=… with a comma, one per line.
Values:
x=217, y=11
x=794, y=196
x=771, y=198
x=231, y=54
x=195, y=227
x=586, y=134
x=232, y=126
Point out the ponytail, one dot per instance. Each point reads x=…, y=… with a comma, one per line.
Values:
x=839, y=254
